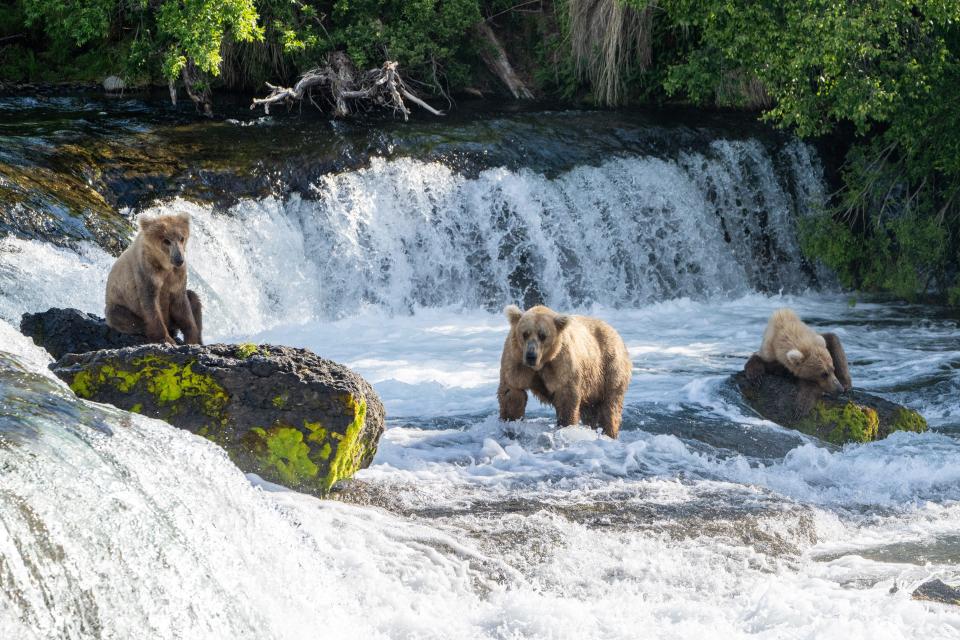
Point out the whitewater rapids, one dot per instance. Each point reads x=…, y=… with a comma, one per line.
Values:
x=700, y=521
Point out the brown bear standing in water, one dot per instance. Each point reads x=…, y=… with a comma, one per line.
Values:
x=790, y=344
x=147, y=286
x=575, y=363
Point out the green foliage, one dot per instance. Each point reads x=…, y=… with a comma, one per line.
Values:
x=71, y=21
x=194, y=30
x=165, y=35
x=418, y=33
x=886, y=68
x=432, y=39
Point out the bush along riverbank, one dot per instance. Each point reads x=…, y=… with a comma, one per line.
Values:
x=881, y=79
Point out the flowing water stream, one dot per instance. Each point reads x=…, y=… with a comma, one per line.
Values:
x=702, y=520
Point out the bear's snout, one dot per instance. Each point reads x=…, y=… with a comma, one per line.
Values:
x=530, y=355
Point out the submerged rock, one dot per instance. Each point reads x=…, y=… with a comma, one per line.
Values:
x=286, y=414
x=63, y=331
x=854, y=416
x=114, y=84
x=937, y=591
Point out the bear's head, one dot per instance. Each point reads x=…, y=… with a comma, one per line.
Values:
x=816, y=365
x=537, y=333
x=166, y=239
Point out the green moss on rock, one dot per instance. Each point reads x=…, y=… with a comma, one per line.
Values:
x=851, y=423
x=350, y=451
x=166, y=380
x=246, y=350
x=283, y=450
x=909, y=420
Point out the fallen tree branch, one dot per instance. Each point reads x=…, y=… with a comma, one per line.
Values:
x=347, y=90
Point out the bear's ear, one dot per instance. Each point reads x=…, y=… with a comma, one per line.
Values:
x=821, y=340
x=183, y=218
x=153, y=226
x=795, y=356
x=513, y=313
x=561, y=322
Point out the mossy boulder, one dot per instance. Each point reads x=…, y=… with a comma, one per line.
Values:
x=286, y=414
x=854, y=416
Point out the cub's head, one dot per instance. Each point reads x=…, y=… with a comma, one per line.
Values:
x=537, y=333
x=166, y=238
x=816, y=366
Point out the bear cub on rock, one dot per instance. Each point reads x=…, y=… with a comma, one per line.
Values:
x=147, y=287
x=579, y=365
x=790, y=344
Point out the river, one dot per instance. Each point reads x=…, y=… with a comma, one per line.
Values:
x=702, y=520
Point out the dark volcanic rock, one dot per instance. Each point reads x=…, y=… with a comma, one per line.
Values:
x=286, y=414
x=854, y=416
x=63, y=331
x=937, y=591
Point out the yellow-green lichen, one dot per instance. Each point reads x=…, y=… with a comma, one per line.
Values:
x=350, y=451
x=908, y=420
x=285, y=452
x=245, y=350
x=317, y=432
x=167, y=381
x=280, y=401
x=137, y=408
x=851, y=422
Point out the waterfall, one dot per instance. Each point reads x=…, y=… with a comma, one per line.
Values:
x=402, y=234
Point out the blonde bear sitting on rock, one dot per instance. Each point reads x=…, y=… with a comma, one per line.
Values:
x=147, y=287
x=575, y=363
x=790, y=344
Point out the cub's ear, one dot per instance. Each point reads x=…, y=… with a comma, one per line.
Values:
x=795, y=356
x=153, y=225
x=513, y=313
x=183, y=218
x=561, y=322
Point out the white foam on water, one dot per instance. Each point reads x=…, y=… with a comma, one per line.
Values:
x=35, y=276
x=701, y=520
x=150, y=532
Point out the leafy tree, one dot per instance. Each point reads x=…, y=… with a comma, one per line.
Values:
x=888, y=68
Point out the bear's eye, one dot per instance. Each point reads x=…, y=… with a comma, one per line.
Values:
x=542, y=336
x=526, y=334
x=166, y=241
x=824, y=375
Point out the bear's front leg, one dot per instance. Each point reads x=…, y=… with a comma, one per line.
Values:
x=840, y=367
x=513, y=402
x=568, y=408
x=154, y=326
x=755, y=368
x=182, y=316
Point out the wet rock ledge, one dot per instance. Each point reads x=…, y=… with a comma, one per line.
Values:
x=286, y=414
x=854, y=416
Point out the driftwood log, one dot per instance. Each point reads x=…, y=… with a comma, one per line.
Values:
x=347, y=90
x=853, y=416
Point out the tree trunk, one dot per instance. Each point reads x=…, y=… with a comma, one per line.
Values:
x=495, y=57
